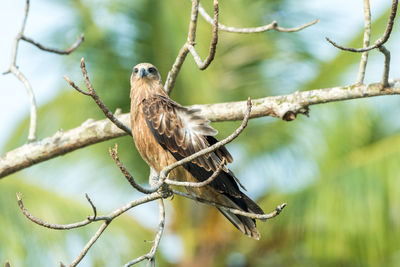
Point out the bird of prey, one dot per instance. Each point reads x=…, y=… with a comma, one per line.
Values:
x=165, y=132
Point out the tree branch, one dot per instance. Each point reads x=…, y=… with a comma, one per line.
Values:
x=67, y=51
x=386, y=65
x=213, y=43
x=176, y=67
x=379, y=42
x=272, y=26
x=263, y=217
x=91, y=132
x=367, y=34
x=92, y=93
x=199, y=184
x=128, y=176
x=161, y=225
x=20, y=76
x=107, y=220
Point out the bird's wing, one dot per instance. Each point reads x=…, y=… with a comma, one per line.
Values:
x=182, y=131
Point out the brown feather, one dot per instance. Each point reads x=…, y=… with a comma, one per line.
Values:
x=164, y=132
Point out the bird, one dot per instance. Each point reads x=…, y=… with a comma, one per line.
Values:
x=165, y=132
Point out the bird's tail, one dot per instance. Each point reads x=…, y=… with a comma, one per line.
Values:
x=245, y=224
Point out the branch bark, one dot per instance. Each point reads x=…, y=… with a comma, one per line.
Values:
x=91, y=132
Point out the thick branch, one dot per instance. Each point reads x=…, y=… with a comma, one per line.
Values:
x=91, y=132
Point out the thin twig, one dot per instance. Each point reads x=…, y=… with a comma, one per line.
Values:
x=379, y=42
x=386, y=66
x=272, y=26
x=176, y=67
x=107, y=220
x=67, y=51
x=47, y=224
x=92, y=93
x=90, y=243
x=17, y=73
x=93, y=207
x=151, y=255
x=199, y=184
x=33, y=107
x=164, y=172
x=213, y=43
x=367, y=35
x=128, y=176
x=90, y=219
x=270, y=215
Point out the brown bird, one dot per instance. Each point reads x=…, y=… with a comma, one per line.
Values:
x=165, y=132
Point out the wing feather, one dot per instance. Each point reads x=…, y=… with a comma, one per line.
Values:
x=182, y=130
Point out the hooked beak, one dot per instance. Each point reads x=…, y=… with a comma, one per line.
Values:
x=143, y=72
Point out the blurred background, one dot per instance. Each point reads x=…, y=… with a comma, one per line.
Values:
x=338, y=170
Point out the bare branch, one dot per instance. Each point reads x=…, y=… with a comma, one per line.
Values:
x=90, y=243
x=199, y=184
x=367, y=34
x=386, y=66
x=92, y=93
x=92, y=132
x=176, y=67
x=213, y=43
x=107, y=220
x=50, y=225
x=128, y=176
x=17, y=73
x=68, y=51
x=151, y=255
x=270, y=215
x=379, y=42
x=164, y=172
x=92, y=205
x=33, y=107
x=272, y=26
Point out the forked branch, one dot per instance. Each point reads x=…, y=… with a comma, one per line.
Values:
x=20, y=76
x=92, y=93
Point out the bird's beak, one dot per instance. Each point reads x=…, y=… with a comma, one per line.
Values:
x=143, y=72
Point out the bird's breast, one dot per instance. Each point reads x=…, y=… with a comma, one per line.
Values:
x=148, y=147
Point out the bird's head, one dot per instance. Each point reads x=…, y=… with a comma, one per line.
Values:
x=145, y=72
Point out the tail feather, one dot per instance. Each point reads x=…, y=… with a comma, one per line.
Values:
x=245, y=224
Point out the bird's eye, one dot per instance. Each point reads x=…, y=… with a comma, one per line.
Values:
x=135, y=70
x=152, y=70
